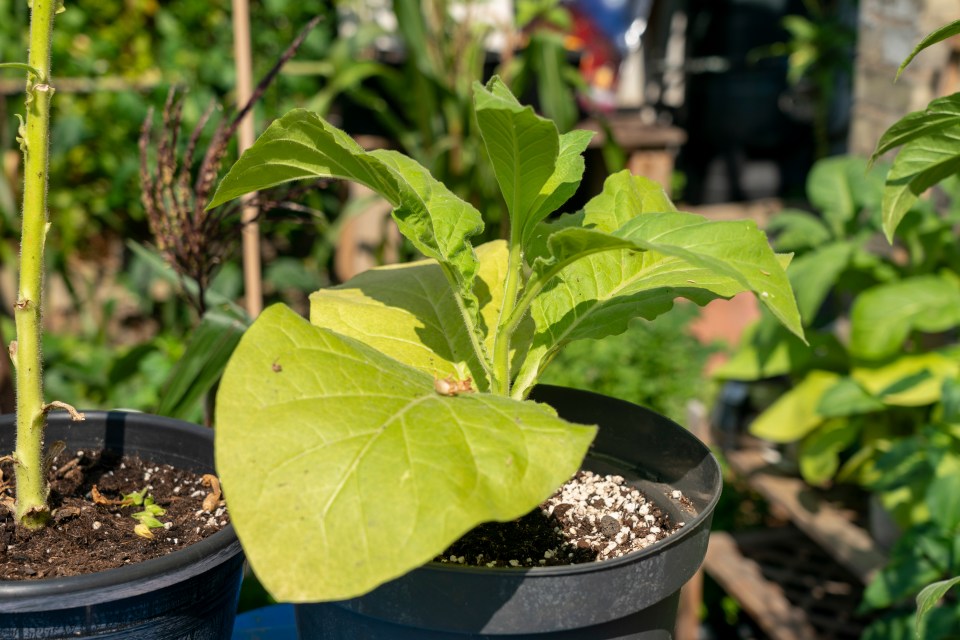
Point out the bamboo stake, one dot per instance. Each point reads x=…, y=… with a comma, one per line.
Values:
x=243, y=62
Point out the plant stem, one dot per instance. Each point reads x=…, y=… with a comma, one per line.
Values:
x=501, y=346
x=32, y=510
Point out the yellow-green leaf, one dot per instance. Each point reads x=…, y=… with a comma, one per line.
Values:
x=795, y=415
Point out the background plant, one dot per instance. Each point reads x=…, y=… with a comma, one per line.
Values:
x=658, y=364
x=877, y=404
x=114, y=62
x=870, y=375
x=929, y=155
x=419, y=96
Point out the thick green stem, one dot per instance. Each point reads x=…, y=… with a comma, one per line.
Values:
x=468, y=321
x=501, y=347
x=32, y=510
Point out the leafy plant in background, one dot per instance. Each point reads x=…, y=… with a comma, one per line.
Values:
x=929, y=154
x=870, y=400
x=397, y=418
x=869, y=376
x=116, y=59
x=819, y=54
x=423, y=103
x=113, y=61
x=883, y=409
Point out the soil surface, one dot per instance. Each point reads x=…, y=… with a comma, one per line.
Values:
x=589, y=518
x=92, y=529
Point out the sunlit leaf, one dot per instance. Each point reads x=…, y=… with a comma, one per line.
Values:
x=354, y=450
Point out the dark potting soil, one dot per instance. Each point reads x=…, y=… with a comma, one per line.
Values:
x=91, y=531
x=589, y=518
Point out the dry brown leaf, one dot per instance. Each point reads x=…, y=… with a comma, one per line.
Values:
x=98, y=498
x=212, y=500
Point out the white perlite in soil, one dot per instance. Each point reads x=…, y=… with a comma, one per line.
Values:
x=590, y=518
x=607, y=515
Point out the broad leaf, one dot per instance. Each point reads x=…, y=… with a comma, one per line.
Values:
x=883, y=317
x=562, y=184
x=624, y=196
x=736, y=250
x=830, y=189
x=847, y=398
x=674, y=255
x=794, y=414
x=910, y=380
x=920, y=164
x=361, y=465
x=303, y=145
x=523, y=149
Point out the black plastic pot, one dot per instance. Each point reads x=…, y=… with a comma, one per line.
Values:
x=190, y=593
x=634, y=596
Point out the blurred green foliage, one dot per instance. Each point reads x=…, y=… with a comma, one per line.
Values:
x=657, y=364
x=112, y=61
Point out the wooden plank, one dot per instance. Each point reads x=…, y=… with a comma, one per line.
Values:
x=847, y=543
x=763, y=601
x=633, y=134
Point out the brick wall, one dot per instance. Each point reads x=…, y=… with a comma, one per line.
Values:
x=888, y=32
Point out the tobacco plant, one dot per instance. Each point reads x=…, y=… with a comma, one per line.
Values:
x=357, y=446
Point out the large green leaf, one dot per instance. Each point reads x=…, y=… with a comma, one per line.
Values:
x=674, y=255
x=794, y=414
x=847, y=398
x=795, y=230
x=921, y=164
x=561, y=185
x=523, y=149
x=830, y=189
x=624, y=196
x=929, y=596
x=909, y=380
x=736, y=250
x=303, y=145
x=327, y=447
x=883, y=316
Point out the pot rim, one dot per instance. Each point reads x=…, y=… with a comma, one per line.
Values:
x=209, y=552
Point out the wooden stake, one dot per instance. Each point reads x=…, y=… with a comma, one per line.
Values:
x=252, y=278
